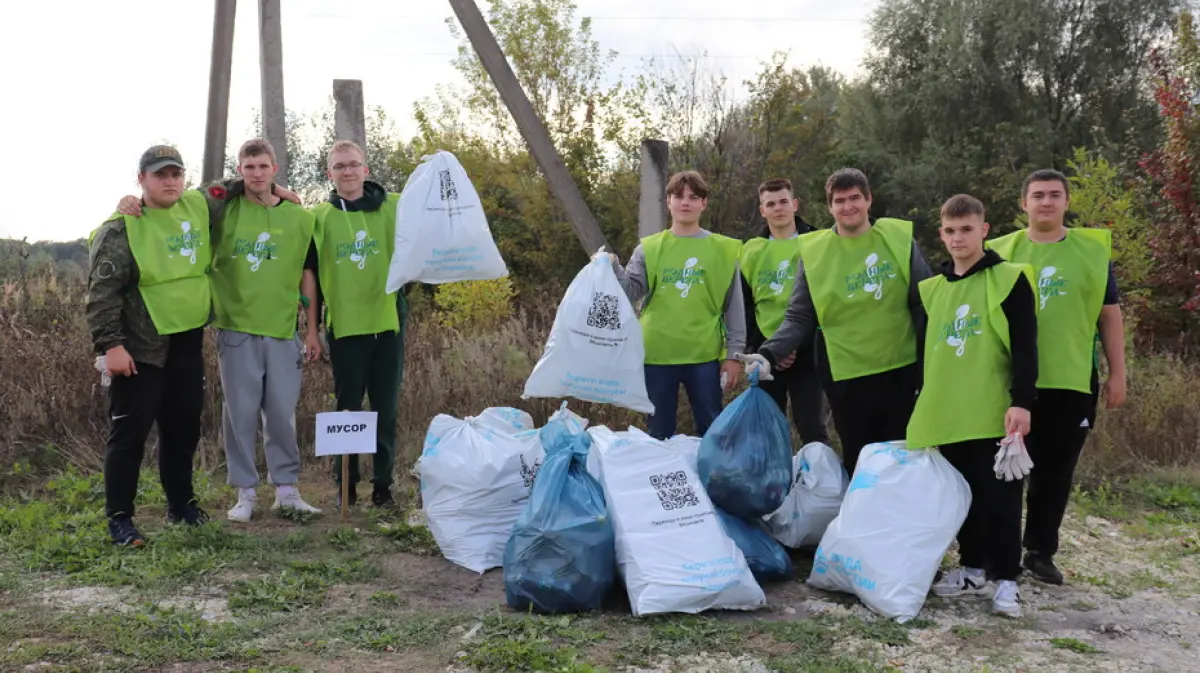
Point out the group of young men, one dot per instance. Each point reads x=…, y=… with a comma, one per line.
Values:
x=243, y=256
x=998, y=346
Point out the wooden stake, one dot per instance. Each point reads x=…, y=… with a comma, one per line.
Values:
x=345, y=488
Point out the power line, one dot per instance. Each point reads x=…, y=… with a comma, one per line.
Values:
x=721, y=19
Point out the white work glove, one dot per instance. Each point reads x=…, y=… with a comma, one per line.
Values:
x=1012, y=460
x=755, y=364
x=101, y=366
x=601, y=253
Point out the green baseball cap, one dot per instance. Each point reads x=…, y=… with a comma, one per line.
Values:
x=159, y=157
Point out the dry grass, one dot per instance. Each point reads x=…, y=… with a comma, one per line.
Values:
x=52, y=407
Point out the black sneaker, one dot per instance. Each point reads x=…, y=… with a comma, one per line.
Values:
x=123, y=532
x=381, y=496
x=191, y=514
x=1042, y=568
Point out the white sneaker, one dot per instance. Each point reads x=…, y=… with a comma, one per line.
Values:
x=1007, y=599
x=287, y=497
x=962, y=582
x=243, y=511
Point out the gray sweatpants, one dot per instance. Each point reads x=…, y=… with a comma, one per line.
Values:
x=260, y=376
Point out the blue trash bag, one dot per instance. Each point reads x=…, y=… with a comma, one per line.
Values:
x=745, y=459
x=561, y=556
x=768, y=560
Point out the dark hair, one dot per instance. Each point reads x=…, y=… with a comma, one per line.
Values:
x=775, y=185
x=1045, y=175
x=691, y=179
x=846, y=178
x=961, y=205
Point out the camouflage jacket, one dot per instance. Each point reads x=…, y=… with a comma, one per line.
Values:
x=116, y=312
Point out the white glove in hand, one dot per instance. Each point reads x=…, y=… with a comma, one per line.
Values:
x=1012, y=460
x=755, y=363
x=601, y=253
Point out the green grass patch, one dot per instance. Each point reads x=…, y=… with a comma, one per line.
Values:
x=1074, y=645
x=384, y=599
x=301, y=585
x=296, y=516
x=395, y=634
x=966, y=632
x=409, y=539
x=531, y=644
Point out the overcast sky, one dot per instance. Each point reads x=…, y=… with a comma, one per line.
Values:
x=90, y=85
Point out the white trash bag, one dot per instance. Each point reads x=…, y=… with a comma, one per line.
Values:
x=475, y=481
x=814, y=500
x=595, y=350
x=505, y=420
x=901, y=512
x=672, y=551
x=442, y=233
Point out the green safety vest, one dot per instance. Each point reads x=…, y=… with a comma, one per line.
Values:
x=258, y=266
x=1072, y=277
x=968, y=358
x=687, y=281
x=173, y=253
x=354, y=250
x=859, y=288
x=769, y=266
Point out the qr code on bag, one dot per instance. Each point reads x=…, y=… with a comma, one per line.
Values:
x=449, y=190
x=605, y=312
x=673, y=490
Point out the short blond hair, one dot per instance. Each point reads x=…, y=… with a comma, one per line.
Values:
x=344, y=145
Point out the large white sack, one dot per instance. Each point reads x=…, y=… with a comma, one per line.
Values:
x=686, y=445
x=474, y=484
x=672, y=552
x=901, y=512
x=814, y=500
x=442, y=233
x=595, y=350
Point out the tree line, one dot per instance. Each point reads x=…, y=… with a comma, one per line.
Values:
x=956, y=96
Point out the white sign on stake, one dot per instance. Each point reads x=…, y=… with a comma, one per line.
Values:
x=341, y=433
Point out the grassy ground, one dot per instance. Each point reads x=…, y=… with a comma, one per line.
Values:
x=312, y=594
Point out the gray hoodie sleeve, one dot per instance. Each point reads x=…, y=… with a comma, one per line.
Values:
x=799, y=322
x=735, y=316
x=633, y=276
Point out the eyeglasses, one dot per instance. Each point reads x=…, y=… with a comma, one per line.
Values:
x=353, y=166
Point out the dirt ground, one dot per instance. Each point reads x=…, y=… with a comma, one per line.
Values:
x=1130, y=604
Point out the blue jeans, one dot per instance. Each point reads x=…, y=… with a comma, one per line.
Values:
x=703, y=385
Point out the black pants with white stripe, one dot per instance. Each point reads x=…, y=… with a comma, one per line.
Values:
x=171, y=397
x=1060, y=422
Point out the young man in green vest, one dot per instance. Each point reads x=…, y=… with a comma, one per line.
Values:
x=148, y=301
x=693, y=320
x=353, y=241
x=1077, y=297
x=768, y=265
x=856, y=293
x=260, y=243
x=980, y=377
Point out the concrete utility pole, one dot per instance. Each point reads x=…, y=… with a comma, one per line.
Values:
x=532, y=129
x=270, y=60
x=217, y=125
x=349, y=117
x=652, y=202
